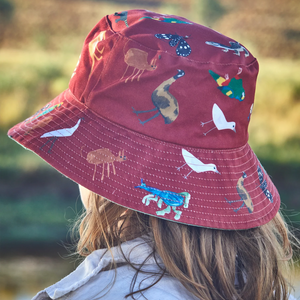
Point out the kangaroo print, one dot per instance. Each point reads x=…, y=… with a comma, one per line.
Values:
x=104, y=156
x=138, y=60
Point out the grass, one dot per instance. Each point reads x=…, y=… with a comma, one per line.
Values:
x=28, y=79
x=37, y=210
x=275, y=120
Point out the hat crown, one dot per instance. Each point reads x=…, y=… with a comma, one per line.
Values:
x=167, y=78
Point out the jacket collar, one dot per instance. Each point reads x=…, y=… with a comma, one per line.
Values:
x=136, y=251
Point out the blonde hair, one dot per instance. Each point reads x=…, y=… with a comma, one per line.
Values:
x=212, y=264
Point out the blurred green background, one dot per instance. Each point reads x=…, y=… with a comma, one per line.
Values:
x=40, y=42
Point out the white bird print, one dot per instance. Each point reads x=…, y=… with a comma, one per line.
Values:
x=196, y=165
x=219, y=120
x=55, y=134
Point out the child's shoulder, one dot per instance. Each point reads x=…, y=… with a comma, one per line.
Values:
x=167, y=288
x=115, y=284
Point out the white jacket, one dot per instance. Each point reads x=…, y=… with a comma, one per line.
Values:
x=88, y=283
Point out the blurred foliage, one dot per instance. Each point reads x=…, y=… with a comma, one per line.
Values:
x=276, y=114
x=6, y=14
x=270, y=27
x=39, y=51
x=37, y=207
x=211, y=11
x=22, y=277
x=29, y=78
x=6, y=9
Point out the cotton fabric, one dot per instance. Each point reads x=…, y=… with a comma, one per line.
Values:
x=87, y=282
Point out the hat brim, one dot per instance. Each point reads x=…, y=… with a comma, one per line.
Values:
x=162, y=179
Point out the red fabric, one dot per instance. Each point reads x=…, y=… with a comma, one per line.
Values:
x=127, y=67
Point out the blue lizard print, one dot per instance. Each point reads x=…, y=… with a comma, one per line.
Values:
x=172, y=199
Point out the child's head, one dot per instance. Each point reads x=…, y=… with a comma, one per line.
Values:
x=208, y=262
x=155, y=119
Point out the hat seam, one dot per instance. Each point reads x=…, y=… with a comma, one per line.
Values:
x=206, y=213
x=192, y=185
x=89, y=78
x=129, y=194
x=172, y=145
x=165, y=165
x=146, y=137
x=163, y=177
x=193, y=191
x=187, y=58
x=187, y=216
x=108, y=22
x=171, y=160
x=100, y=75
x=216, y=180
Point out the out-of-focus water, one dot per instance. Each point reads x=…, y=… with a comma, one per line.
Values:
x=22, y=278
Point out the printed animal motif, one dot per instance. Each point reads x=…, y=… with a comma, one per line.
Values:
x=41, y=123
x=75, y=70
x=183, y=48
x=167, y=20
x=43, y=111
x=165, y=103
x=104, y=156
x=219, y=120
x=250, y=113
x=95, y=53
x=233, y=88
x=55, y=134
x=234, y=46
x=196, y=165
x=123, y=17
x=245, y=197
x=138, y=59
x=171, y=199
x=263, y=184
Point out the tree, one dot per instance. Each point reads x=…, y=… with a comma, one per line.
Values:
x=6, y=13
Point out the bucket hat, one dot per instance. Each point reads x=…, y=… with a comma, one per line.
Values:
x=156, y=119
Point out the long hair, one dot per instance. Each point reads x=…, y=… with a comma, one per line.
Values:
x=212, y=264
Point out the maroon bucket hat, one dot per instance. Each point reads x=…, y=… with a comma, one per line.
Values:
x=156, y=119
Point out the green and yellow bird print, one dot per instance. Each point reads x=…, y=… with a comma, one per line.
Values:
x=233, y=88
